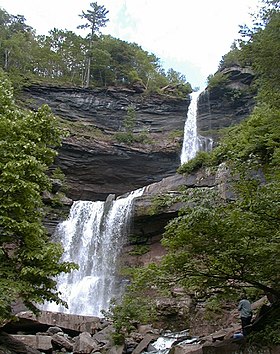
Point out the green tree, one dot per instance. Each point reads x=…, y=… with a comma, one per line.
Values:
x=261, y=46
x=28, y=260
x=219, y=248
x=96, y=19
x=102, y=72
x=17, y=43
x=60, y=56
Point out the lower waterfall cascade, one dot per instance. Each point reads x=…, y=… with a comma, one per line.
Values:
x=93, y=236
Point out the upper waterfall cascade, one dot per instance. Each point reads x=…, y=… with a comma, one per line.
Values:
x=193, y=142
x=93, y=236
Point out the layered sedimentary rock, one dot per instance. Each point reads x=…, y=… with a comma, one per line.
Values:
x=94, y=163
x=227, y=103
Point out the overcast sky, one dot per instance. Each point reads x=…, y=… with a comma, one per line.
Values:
x=191, y=36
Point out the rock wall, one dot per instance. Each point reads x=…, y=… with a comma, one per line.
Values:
x=227, y=103
x=94, y=163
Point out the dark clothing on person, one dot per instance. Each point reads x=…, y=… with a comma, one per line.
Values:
x=244, y=307
x=245, y=321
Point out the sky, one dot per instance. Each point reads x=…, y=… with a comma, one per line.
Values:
x=190, y=36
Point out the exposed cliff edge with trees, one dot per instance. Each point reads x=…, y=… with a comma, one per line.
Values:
x=218, y=241
x=65, y=58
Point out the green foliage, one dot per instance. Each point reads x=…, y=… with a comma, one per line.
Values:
x=174, y=134
x=125, y=137
x=28, y=261
x=139, y=250
x=80, y=131
x=128, y=136
x=130, y=119
x=58, y=174
x=217, y=80
x=201, y=159
x=263, y=49
x=216, y=245
x=233, y=58
x=63, y=57
x=162, y=201
x=96, y=18
x=133, y=309
x=268, y=336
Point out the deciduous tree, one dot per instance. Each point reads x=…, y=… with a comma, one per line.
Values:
x=28, y=260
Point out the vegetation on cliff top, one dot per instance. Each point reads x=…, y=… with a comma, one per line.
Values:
x=66, y=58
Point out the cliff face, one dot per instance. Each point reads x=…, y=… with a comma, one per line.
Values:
x=94, y=162
x=227, y=103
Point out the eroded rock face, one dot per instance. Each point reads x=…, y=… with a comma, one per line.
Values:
x=226, y=104
x=97, y=169
x=94, y=163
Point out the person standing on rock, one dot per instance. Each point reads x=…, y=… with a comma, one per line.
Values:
x=245, y=309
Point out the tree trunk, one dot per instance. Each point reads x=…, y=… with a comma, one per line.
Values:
x=87, y=76
x=6, y=62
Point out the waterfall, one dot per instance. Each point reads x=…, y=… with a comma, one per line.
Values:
x=93, y=236
x=193, y=142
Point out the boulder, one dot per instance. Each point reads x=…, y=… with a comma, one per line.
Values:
x=85, y=344
x=39, y=342
x=59, y=341
x=116, y=349
x=104, y=336
x=11, y=345
x=27, y=321
x=144, y=343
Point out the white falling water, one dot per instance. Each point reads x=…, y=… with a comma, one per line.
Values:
x=93, y=236
x=192, y=141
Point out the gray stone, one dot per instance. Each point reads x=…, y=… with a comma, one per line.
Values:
x=60, y=341
x=104, y=336
x=85, y=344
x=116, y=349
x=42, y=343
x=65, y=321
x=10, y=345
x=96, y=166
x=144, y=343
x=53, y=330
x=228, y=104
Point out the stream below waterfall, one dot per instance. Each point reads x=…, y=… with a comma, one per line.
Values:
x=163, y=344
